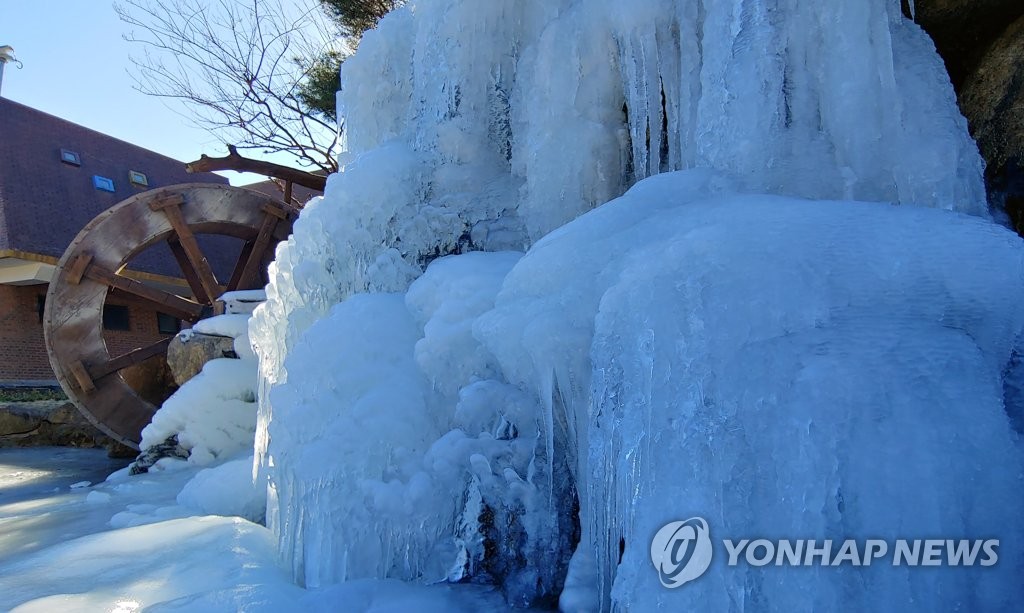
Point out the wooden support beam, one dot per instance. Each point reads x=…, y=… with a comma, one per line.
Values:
x=136, y=356
x=171, y=207
x=191, y=276
x=167, y=302
x=273, y=214
x=239, y=269
x=288, y=192
x=78, y=267
x=82, y=377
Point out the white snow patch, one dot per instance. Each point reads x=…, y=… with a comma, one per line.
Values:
x=234, y=325
x=213, y=414
x=226, y=489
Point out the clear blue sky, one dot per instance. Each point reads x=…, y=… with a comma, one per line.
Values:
x=76, y=67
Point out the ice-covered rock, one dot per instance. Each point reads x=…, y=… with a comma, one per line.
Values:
x=212, y=416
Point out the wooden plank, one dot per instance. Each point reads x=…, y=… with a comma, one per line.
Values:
x=288, y=192
x=78, y=268
x=185, y=264
x=239, y=269
x=249, y=274
x=171, y=207
x=167, y=302
x=82, y=377
x=136, y=356
x=272, y=209
x=170, y=200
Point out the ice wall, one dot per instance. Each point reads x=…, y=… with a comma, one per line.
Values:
x=485, y=125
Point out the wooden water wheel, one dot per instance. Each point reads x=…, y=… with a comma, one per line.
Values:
x=97, y=265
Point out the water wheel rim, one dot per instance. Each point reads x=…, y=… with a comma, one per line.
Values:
x=72, y=320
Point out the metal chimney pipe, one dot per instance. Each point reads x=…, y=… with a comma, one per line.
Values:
x=6, y=55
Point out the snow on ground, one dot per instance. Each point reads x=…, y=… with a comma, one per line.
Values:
x=135, y=543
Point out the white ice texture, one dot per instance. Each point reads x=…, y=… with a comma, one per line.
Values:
x=784, y=365
x=214, y=413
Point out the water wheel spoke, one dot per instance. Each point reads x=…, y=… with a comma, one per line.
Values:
x=171, y=207
x=189, y=271
x=274, y=214
x=172, y=304
x=239, y=269
x=133, y=357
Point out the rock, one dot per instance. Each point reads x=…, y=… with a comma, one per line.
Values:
x=47, y=423
x=150, y=456
x=981, y=42
x=189, y=351
x=993, y=102
x=963, y=30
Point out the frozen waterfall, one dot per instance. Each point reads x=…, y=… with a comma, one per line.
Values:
x=437, y=406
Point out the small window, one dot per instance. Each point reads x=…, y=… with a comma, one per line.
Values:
x=41, y=306
x=103, y=183
x=70, y=157
x=138, y=178
x=167, y=324
x=115, y=317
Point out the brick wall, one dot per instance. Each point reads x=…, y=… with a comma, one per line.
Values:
x=22, y=350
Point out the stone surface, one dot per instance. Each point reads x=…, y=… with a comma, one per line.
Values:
x=170, y=448
x=47, y=423
x=963, y=30
x=189, y=351
x=993, y=98
x=982, y=44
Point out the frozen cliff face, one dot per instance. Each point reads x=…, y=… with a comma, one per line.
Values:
x=487, y=125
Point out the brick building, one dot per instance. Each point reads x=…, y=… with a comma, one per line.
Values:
x=55, y=177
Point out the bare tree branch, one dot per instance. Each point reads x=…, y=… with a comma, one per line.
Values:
x=236, y=66
x=235, y=161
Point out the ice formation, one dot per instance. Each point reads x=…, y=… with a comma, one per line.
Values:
x=808, y=368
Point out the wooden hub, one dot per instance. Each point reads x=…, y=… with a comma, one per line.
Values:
x=97, y=262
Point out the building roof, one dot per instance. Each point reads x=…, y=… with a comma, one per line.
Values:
x=45, y=202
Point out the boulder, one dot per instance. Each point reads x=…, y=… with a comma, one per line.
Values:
x=189, y=351
x=992, y=99
x=981, y=42
x=47, y=423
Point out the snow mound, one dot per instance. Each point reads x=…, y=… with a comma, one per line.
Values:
x=226, y=489
x=213, y=415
